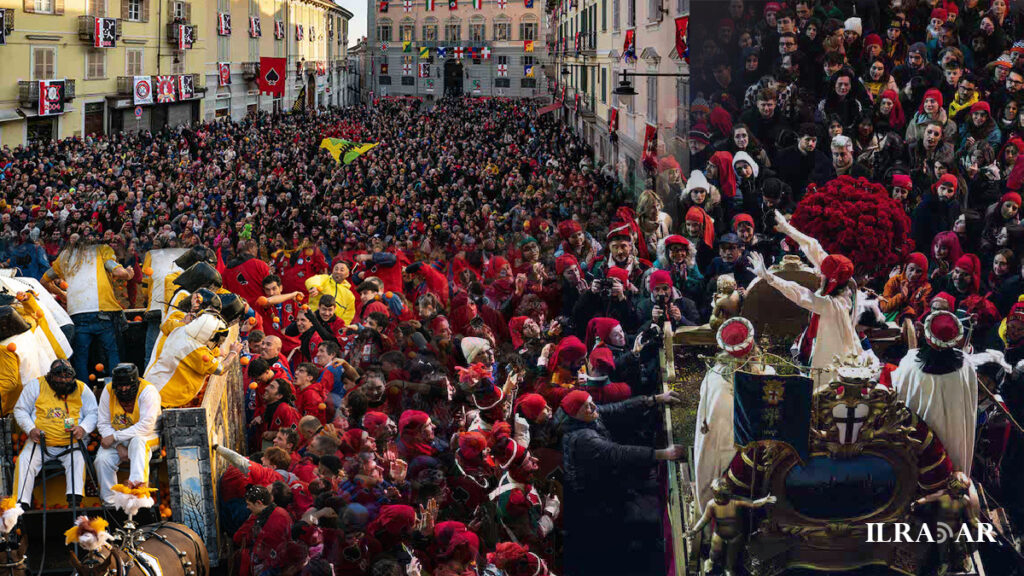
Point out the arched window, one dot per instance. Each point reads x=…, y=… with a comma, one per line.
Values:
x=453, y=30
x=407, y=30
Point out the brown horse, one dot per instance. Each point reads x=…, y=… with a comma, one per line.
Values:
x=175, y=548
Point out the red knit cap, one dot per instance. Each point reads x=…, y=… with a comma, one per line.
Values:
x=740, y=219
x=531, y=405
x=451, y=535
x=412, y=421
x=982, y=105
x=918, y=259
x=564, y=262
x=472, y=445
x=574, y=401
x=934, y=94
x=949, y=180
x=872, y=40
x=1011, y=197
x=676, y=240
x=972, y=265
x=659, y=278
x=601, y=358
x=566, y=228
x=837, y=270
x=621, y=274
x=902, y=181
x=374, y=422
x=940, y=14
x=619, y=230
x=950, y=300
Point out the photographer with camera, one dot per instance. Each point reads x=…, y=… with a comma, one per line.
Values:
x=613, y=296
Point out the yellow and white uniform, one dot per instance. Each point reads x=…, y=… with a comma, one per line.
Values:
x=88, y=278
x=344, y=295
x=161, y=261
x=28, y=361
x=135, y=430
x=40, y=407
x=44, y=313
x=173, y=319
x=186, y=360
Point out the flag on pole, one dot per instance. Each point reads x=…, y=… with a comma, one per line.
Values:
x=424, y=70
x=528, y=3
x=255, y=30
x=453, y=4
x=430, y=5
x=613, y=120
x=300, y=100
x=407, y=5
x=502, y=70
x=383, y=46
x=527, y=45
x=406, y=69
x=502, y=3
x=682, y=26
x=272, y=75
x=478, y=4
x=345, y=150
x=769, y=407
x=459, y=52
x=485, y=53
x=223, y=73
x=383, y=5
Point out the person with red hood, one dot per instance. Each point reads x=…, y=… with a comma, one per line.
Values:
x=699, y=231
x=455, y=549
x=415, y=435
x=474, y=477
x=719, y=172
x=597, y=381
x=964, y=284
x=391, y=533
x=426, y=279
x=564, y=366
x=907, y=292
x=244, y=273
x=522, y=511
x=999, y=215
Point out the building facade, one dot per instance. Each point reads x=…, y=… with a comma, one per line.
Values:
x=107, y=66
x=428, y=48
x=588, y=40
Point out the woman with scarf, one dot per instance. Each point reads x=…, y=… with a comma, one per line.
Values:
x=998, y=216
x=263, y=534
x=704, y=195
x=877, y=79
x=577, y=243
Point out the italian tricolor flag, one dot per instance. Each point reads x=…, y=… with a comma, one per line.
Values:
x=478, y=4
x=430, y=5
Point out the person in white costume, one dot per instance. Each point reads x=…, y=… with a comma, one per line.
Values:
x=128, y=412
x=831, y=331
x=60, y=411
x=714, y=446
x=938, y=384
x=191, y=354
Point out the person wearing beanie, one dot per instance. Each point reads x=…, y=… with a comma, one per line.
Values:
x=597, y=380
x=524, y=512
x=714, y=445
x=596, y=469
x=531, y=414
x=475, y=473
x=677, y=256
x=832, y=328
x=980, y=127
x=578, y=243
x=699, y=143
x=666, y=302
x=935, y=383
x=999, y=215
x=415, y=435
x=929, y=111
x=907, y=292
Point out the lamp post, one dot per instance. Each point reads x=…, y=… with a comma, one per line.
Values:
x=625, y=87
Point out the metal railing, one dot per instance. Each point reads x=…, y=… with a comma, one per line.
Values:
x=250, y=70
x=87, y=28
x=28, y=91
x=172, y=31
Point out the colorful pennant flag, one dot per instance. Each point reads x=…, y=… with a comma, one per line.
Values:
x=528, y=3
x=527, y=45
x=485, y=53
x=459, y=52
x=478, y=4
x=453, y=4
x=383, y=5
x=424, y=52
x=344, y=150
x=424, y=69
x=223, y=73
x=407, y=5
x=255, y=31
x=223, y=24
x=442, y=52
x=682, y=26
x=406, y=69
x=528, y=70
x=503, y=70
x=629, y=46
x=407, y=47
x=613, y=120
x=430, y=5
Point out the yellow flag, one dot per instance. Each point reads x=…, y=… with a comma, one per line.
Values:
x=346, y=151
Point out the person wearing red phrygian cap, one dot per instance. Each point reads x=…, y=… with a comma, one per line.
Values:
x=964, y=284
x=577, y=243
x=522, y=511
x=936, y=382
x=475, y=475
x=516, y=560
x=832, y=329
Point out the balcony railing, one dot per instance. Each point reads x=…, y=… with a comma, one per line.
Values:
x=126, y=84
x=87, y=28
x=172, y=32
x=250, y=70
x=8, y=20
x=28, y=92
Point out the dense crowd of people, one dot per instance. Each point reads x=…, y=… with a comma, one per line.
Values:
x=921, y=97
x=449, y=346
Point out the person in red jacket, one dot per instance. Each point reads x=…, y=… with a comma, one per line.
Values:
x=387, y=266
x=309, y=396
x=429, y=279
x=244, y=272
x=267, y=529
x=278, y=311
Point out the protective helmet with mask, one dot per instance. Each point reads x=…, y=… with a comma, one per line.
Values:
x=232, y=309
x=11, y=323
x=208, y=300
x=61, y=377
x=199, y=275
x=195, y=255
x=207, y=329
x=125, y=382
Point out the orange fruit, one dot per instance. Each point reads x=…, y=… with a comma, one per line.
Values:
x=21, y=296
x=321, y=406
x=92, y=377
x=261, y=301
x=63, y=285
x=207, y=358
x=12, y=347
x=244, y=361
x=253, y=386
x=137, y=319
x=99, y=367
x=252, y=321
x=309, y=251
x=277, y=320
x=305, y=308
x=300, y=296
x=147, y=271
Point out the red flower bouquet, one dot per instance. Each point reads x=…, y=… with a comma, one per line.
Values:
x=858, y=219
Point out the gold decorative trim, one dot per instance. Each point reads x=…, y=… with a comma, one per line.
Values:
x=931, y=467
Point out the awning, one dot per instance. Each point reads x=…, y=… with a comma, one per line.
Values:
x=549, y=108
x=9, y=114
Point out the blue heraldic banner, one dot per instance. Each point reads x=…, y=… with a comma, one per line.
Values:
x=769, y=407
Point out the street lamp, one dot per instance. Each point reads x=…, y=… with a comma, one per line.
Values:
x=625, y=87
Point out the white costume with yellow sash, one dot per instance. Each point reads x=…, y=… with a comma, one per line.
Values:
x=135, y=430
x=40, y=407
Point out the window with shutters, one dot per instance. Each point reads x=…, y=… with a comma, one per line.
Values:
x=615, y=15
x=501, y=60
x=133, y=10
x=406, y=31
x=44, y=62
x=502, y=31
x=652, y=100
x=254, y=49
x=452, y=32
x=97, y=8
x=384, y=33
x=384, y=80
x=604, y=15
x=527, y=30
x=178, y=63
x=527, y=61
x=631, y=13
x=134, y=61
x=653, y=10
x=95, y=64
x=528, y=83
x=476, y=31
x=408, y=80
x=502, y=82
x=430, y=32
x=41, y=6
x=182, y=11
x=604, y=85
